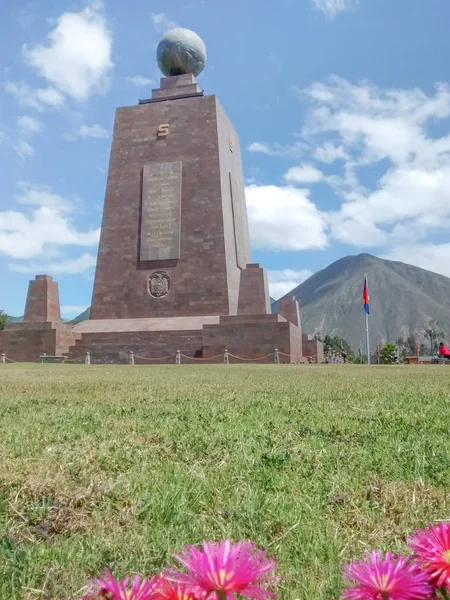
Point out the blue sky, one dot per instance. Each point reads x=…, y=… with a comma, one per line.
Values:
x=342, y=108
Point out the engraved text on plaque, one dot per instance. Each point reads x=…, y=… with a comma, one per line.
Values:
x=161, y=206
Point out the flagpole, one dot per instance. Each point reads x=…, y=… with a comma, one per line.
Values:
x=366, y=314
x=367, y=338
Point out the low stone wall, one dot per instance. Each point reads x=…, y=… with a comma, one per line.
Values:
x=253, y=338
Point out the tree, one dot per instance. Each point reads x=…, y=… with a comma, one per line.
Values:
x=336, y=343
x=433, y=334
x=411, y=343
x=387, y=353
x=4, y=318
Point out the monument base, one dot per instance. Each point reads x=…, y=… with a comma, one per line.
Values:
x=28, y=341
x=252, y=338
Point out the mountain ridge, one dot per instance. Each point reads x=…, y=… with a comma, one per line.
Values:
x=403, y=298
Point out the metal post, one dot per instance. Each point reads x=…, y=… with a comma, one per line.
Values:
x=131, y=358
x=178, y=358
x=226, y=359
x=276, y=357
x=87, y=359
x=3, y=358
x=42, y=357
x=367, y=338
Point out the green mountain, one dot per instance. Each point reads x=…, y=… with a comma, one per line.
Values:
x=16, y=319
x=82, y=316
x=403, y=298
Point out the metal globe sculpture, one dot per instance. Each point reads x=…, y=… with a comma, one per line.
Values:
x=181, y=51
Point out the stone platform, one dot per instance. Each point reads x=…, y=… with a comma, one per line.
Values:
x=249, y=337
x=27, y=341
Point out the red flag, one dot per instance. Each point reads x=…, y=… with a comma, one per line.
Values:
x=365, y=295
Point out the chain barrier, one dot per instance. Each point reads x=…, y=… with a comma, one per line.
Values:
x=41, y=359
x=178, y=356
x=258, y=358
x=200, y=358
x=153, y=358
x=72, y=360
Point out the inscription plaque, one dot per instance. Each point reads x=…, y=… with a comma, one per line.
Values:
x=161, y=208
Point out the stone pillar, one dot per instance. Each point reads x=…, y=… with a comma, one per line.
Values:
x=288, y=308
x=254, y=296
x=42, y=304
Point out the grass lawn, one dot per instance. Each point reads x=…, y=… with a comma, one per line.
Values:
x=121, y=466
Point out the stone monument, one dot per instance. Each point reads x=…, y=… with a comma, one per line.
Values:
x=42, y=331
x=174, y=268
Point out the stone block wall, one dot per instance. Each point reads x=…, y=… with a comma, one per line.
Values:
x=254, y=296
x=253, y=337
x=312, y=349
x=42, y=303
x=161, y=346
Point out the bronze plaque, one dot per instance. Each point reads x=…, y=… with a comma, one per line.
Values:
x=161, y=209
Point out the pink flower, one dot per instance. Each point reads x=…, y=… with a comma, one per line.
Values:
x=109, y=588
x=389, y=578
x=432, y=548
x=227, y=569
x=169, y=590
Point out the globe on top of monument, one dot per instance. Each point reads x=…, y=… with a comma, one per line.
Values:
x=181, y=51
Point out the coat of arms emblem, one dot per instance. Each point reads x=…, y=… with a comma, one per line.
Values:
x=158, y=284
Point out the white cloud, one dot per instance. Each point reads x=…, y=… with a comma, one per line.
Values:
x=162, y=23
x=42, y=195
x=433, y=257
x=73, y=309
x=76, y=59
x=389, y=156
x=366, y=125
x=329, y=153
x=303, y=174
x=285, y=150
x=93, y=131
x=139, y=80
x=282, y=282
x=39, y=98
x=23, y=149
x=284, y=218
x=28, y=125
x=65, y=267
x=259, y=147
x=331, y=8
x=45, y=226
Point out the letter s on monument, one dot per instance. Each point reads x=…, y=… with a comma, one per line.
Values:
x=163, y=130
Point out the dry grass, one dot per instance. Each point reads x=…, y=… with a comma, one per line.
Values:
x=121, y=466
